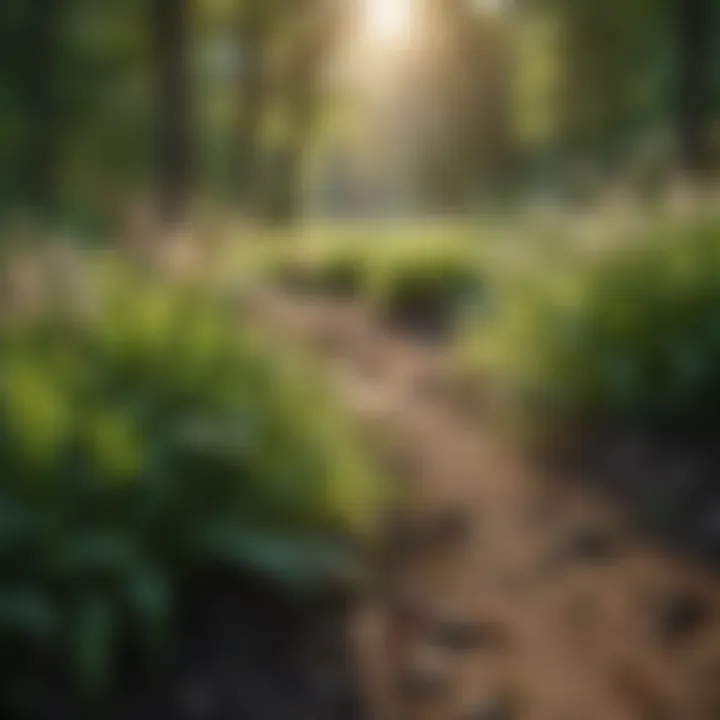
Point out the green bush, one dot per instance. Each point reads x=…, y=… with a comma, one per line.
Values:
x=403, y=275
x=433, y=281
x=630, y=336
x=145, y=441
x=336, y=268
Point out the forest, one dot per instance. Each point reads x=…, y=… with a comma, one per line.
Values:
x=359, y=359
x=257, y=106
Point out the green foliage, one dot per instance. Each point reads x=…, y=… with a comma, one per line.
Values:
x=401, y=274
x=606, y=97
x=145, y=442
x=337, y=267
x=631, y=336
x=435, y=280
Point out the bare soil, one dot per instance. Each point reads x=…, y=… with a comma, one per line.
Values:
x=508, y=590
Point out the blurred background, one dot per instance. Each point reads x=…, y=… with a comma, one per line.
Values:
x=359, y=359
x=350, y=108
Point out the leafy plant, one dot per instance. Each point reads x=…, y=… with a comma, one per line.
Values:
x=426, y=281
x=405, y=275
x=336, y=267
x=630, y=336
x=145, y=441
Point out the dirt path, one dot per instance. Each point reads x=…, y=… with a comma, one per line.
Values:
x=509, y=594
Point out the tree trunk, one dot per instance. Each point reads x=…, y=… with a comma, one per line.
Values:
x=301, y=87
x=695, y=73
x=252, y=38
x=43, y=106
x=302, y=107
x=174, y=131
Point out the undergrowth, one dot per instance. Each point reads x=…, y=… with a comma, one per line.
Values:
x=403, y=276
x=146, y=440
x=631, y=336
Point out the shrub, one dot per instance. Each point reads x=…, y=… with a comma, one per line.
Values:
x=146, y=442
x=336, y=268
x=425, y=282
x=632, y=336
x=402, y=273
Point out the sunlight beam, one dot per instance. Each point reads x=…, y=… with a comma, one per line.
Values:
x=387, y=21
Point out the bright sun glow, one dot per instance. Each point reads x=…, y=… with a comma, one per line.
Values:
x=388, y=20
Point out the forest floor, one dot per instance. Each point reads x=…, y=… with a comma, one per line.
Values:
x=507, y=591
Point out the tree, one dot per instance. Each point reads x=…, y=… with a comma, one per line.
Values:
x=627, y=67
x=282, y=46
x=35, y=85
x=254, y=26
x=315, y=25
x=696, y=34
x=174, y=131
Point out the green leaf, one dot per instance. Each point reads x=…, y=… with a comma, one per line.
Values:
x=17, y=525
x=28, y=613
x=296, y=561
x=150, y=599
x=93, y=644
x=100, y=556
